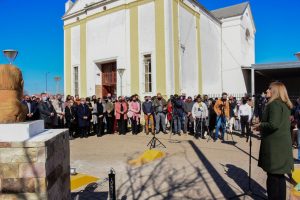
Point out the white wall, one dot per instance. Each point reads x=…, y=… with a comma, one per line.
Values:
x=108, y=39
x=188, y=60
x=146, y=27
x=233, y=80
x=248, y=45
x=169, y=46
x=210, y=41
x=237, y=51
x=75, y=55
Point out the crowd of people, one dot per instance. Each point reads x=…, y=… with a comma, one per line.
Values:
x=273, y=114
x=200, y=116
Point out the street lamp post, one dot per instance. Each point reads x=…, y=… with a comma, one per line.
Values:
x=46, y=91
x=10, y=54
x=121, y=72
x=57, y=80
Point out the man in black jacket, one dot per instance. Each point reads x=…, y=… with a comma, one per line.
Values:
x=70, y=118
x=177, y=114
x=83, y=115
x=100, y=115
x=189, y=120
x=31, y=108
x=47, y=112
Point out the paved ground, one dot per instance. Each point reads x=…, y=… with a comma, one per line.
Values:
x=192, y=169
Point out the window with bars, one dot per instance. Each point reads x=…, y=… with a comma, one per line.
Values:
x=148, y=73
x=76, y=81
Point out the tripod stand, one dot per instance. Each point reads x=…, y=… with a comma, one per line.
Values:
x=153, y=142
x=249, y=192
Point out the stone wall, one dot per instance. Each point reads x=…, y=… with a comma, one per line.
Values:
x=38, y=168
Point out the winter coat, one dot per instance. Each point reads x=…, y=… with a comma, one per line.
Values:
x=218, y=106
x=82, y=111
x=275, y=155
x=118, y=110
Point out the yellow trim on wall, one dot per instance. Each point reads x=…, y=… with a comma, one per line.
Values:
x=160, y=47
x=134, y=50
x=67, y=70
x=176, y=45
x=109, y=11
x=83, y=80
x=200, y=84
x=189, y=9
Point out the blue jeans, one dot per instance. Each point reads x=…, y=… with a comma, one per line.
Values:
x=182, y=120
x=221, y=123
x=160, y=118
x=177, y=123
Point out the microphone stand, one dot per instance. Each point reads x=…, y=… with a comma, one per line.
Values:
x=249, y=192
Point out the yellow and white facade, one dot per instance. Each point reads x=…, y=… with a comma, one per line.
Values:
x=183, y=40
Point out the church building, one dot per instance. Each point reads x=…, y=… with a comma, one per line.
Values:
x=148, y=46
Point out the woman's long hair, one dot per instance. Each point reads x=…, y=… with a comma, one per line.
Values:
x=279, y=91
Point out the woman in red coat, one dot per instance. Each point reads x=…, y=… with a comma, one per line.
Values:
x=121, y=115
x=169, y=114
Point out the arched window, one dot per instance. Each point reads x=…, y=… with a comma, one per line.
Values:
x=248, y=35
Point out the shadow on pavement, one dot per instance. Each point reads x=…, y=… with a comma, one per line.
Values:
x=195, y=181
x=224, y=187
x=161, y=181
x=89, y=193
x=240, y=177
x=234, y=144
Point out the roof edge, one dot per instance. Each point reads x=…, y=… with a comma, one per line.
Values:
x=67, y=14
x=246, y=2
x=207, y=11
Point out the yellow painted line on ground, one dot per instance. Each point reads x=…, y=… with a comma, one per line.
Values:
x=80, y=180
x=296, y=175
x=296, y=178
x=146, y=157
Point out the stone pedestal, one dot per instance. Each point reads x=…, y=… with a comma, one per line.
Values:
x=21, y=131
x=36, y=168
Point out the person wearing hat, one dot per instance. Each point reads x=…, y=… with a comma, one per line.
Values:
x=200, y=114
x=222, y=110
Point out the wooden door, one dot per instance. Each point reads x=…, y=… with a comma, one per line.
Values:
x=109, y=78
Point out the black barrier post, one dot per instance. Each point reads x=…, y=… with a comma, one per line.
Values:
x=112, y=185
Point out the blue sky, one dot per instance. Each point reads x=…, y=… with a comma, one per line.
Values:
x=35, y=29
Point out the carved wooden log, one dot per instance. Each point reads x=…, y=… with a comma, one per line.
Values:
x=11, y=92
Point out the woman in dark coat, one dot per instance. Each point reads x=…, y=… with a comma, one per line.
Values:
x=70, y=118
x=276, y=156
x=83, y=116
x=100, y=110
